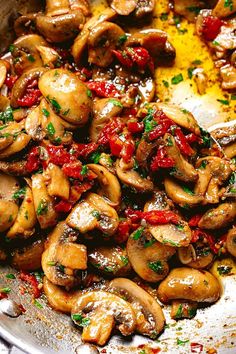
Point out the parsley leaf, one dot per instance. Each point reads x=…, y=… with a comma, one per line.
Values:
x=138, y=233
x=177, y=79
x=157, y=267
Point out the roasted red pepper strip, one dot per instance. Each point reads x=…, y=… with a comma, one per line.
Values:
x=197, y=234
x=32, y=281
x=182, y=143
x=153, y=217
x=63, y=206
x=135, y=127
x=83, y=150
x=127, y=150
x=192, y=138
x=10, y=81
x=123, y=231
x=116, y=145
x=58, y=155
x=111, y=128
x=195, y=220
x=30, y=98
x=73, y=170
x=33, y=161
x=3, y=296
x=123, y=58
x=138, y=56
x=161, y=160
x=196, y=348
x=211, y=27
x=103, y=88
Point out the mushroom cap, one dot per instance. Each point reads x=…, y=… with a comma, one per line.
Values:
x=67, y=94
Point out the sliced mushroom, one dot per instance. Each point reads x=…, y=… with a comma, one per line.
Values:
x=3, y=71
x=186, y=8
x=5, y=141
x=8, y=212
x=124, y=7
x=80, y=42
x=109, y=184
x=58, y=185
x=103, y=38
x=26, y=54
x=72, y=255
x=182, y=170
x=67, y=95
x=197, y=255
x=58, y=7
x=148, y=257
x=58, y=298
x=43, y=203
x=60, y=28
x=222, y=10
x=189, y=284
x=29, y=257
x=15, y=168
x=182, y=309
x=218, y=217
x=26, y=218
x=137, y=8
x=110, y=261
x=8, y=186
x=132, y=178
x=180, y=194
x=231, y=241
x=212, y=172
x=25, y=24
x=20, y=142
x=33, y=125
x=93, y=213
x=143, y=152
x=149, y=315
x=228, y=75
x=102, y=311
x=48, y=55
x=22, y=83
x=104, y=110
x=53, y=270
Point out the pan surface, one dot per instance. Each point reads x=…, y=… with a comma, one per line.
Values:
x=42, y=330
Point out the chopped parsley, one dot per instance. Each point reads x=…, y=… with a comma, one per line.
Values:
x=179, y=312
x=122, y=39
x=224, y=269
x=182, y=342
x=51, y=263
x=169, y=141
x=55, y=104
x=7, y=115
x=5, y=290
x=229, y=3
x=116, y=102
x=138, y=233
x=203, y=164
x=192, y=312
x=89, y=93
x=20, y=193
x=10, y=276
x=224, y=102
x=45, y=112
x=80, y=320
x=206, y=138
x=197, y=62
x=42, y=207
x=149, y=122
x=157, y=267
x=95, y=157
x=177, y=79
x=31, y=58
x=26, y=216
x=66, y=112
x=84, y=170
x=164, y=16
x=165, y=83
x=233, y=97
x=11, y=48
x=194, y=9
x=96, y=214
x=37, y=304
x=50, y=129
x=190, y=72
x=149, y=243
x=125, y=260
x=187, y=190
x=10, y=219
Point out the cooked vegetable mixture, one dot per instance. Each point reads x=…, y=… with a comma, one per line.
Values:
x=116, y=195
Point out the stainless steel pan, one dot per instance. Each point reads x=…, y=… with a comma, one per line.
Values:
x=42, y=330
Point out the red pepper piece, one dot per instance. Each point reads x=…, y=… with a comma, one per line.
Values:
x=3, y=296
x=164, y=123
x=211, y=27
x=113, y=127
x=127, y=150
x=196, y=348
x=135, y=127
x=134, y=215
x=161, y=160
x=141, y=57
x=195, y=220
x=10, y=81
x=123, y=58
x=196, y=234
x=30, y=98
x=130, y=112
x=123, y=231
x=86, y=73
x=103, y=88
x=192, y=138
x=33, y=161
x=116, y=145
x=58, y=155
x=63, y=206
x=73, y=170
x=182, y=143
x=84, y=150
x=32, y=281
x=161, y=217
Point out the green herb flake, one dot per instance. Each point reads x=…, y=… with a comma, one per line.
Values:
x=5, y=290
x=55, y=104
x=42, y=207
x=215, y=43
x=179, y=312
x=229, y=3
x=177, y=79
x=45, y=112
x=61, y=268
x=20, y=193
x=95, y=157
x=66, y=112
x=185, y=111
x=6, y=116
x=37, y=304
x=115, y=102
x=26, y=215
x=10, y=219
x=203, y=164
x=31, y=58
x=142, y=352
x=190, y=72
x=224, y=269
x=89, y=93
x=179, y=227
x=10, y=276
x=122, y=39
x=80, y=320
x=50, y=129
x=197, y=62
x=164, y=16
x=233, y=97
x=149, y=243
x=84, y=170
x=11, y=48
x=192, y=312
x=224, y=102
x=96, y=214
x=165, y=83
x=157, y=267
x=182, y=342
x=138, y=233
x=187, y=190
x=194, y=9
x=125, y=260
x=51, y=263
x=169, y=141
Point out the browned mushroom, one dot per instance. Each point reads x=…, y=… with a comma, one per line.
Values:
x=183, y=309
x=138, y=8
x=101, y=311
x=231, y=241
x=197, y=255
x=221, y=9
x=218, y=217
x=29, y=257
